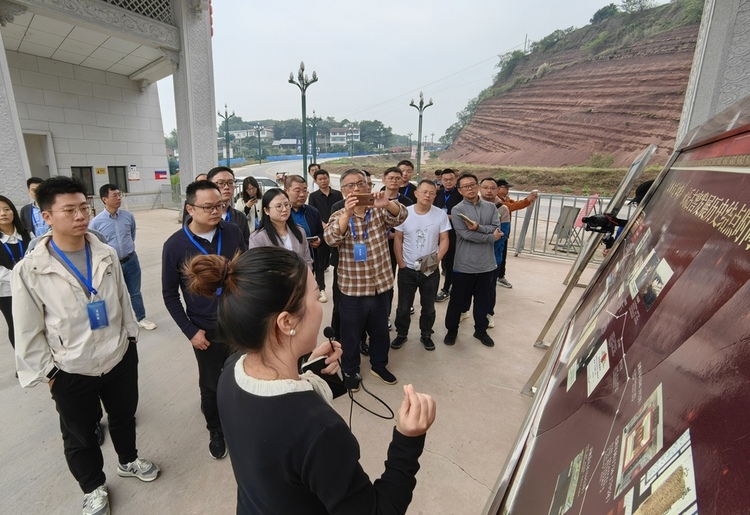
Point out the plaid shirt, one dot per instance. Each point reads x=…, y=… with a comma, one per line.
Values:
x=374, y=276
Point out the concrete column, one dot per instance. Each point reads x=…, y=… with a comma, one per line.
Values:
x=195, y=105
x=720, y=75
x=14, y=165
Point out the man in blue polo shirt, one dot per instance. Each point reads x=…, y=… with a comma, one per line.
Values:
x=118, y=227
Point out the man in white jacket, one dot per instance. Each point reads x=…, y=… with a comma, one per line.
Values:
x=76, y=331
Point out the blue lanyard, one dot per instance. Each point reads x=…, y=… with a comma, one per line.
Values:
x=354, y=232
x=448, y=196
x=406, y=189
x=85, y=280
x=226, y=217
x=12, y=257
x=198, y=245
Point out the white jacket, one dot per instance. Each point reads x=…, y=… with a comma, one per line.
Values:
x=51, y=318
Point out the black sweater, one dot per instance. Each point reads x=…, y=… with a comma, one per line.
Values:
x=178, y=249
x=293, y=453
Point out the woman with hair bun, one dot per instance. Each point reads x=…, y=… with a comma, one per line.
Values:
x=291, y=452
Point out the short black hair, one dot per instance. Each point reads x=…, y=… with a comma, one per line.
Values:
x=311, y=165
x=488, y=179
x=50, y=188
x=218, y=169
x=321, y=172
x=104, y=190
x=465, y=176
x=33, y=180
x=448, y=171
x=391, y=170
x=407, y=163
x=196, y=186
x=426, y=181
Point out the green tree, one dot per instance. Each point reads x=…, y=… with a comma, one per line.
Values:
x=171, y=140
x=374, y=133
x=604, y=13
x=633, y=6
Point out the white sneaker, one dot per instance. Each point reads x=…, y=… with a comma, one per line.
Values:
x=96, y=502
x=464, y=316
x=322, y=297
x=490, y=321
x=147, y=324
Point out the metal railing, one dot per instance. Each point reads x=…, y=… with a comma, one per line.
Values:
x=552, y=225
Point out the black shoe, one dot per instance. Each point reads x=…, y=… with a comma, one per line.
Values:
x=364, y=349
x=398, y=342
x=427, y=342
x=351, y=382
x=411, y=310
x=450, y=337
x=99, y=433
x=442, y=296
x=384, y=375
x=484, y=338
x=217, y=446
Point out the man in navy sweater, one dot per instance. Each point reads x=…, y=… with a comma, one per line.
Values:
x=307, y=217
x=203, y=233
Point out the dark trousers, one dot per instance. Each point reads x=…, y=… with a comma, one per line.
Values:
x=210, y=364
x=357, y=315
x=493, y=290
x=466, y=286
x=447, y=261
x=501, y=267
x=335, y=316
x=6, y=306
x=77, y=400
x=408, y=282
x=322, y=260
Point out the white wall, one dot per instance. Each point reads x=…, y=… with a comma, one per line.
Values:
x=96, y=119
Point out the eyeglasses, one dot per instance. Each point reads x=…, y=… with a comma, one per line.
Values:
x=115, y=195
x=281, y=207
x=360, y=184
x=468, y=186
x=70, y=212
x=224, y=184
x=210, y=209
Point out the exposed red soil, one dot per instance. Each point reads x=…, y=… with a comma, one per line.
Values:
x=616, y=104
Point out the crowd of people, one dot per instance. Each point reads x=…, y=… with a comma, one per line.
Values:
x=249, y=275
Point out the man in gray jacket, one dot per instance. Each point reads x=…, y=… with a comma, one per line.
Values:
x=477, y=226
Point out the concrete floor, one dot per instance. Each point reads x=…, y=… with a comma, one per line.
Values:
x=479, y=407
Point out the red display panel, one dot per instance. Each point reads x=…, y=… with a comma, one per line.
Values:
x=647, y=409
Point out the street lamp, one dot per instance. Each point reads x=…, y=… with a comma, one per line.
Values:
x=350, y=135
x=302, y=82
x=421, y=107
x=259, y=128
x=226, y=117
x=314, y=125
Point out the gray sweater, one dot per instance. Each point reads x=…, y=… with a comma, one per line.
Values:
x=475, y=249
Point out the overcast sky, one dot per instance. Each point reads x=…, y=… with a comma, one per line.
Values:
x=372, y=58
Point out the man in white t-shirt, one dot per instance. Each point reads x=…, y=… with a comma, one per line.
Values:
x=419, y=245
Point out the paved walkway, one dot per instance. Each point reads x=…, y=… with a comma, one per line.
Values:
x=477, y=390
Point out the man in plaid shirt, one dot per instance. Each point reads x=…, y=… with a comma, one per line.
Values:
x=364, y=274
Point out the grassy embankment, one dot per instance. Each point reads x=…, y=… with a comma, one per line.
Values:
x=579, y=180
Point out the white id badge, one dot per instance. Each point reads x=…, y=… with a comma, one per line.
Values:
x=360, y=252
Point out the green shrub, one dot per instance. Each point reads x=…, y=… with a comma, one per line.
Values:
x=598, y=160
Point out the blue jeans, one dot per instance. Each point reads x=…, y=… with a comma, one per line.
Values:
x=131, y=270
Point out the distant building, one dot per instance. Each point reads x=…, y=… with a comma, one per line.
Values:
x=266, y=133
x=286, y=144
x=343, y=135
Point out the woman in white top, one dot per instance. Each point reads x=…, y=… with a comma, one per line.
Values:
x=248, y=202
x=15, y=242
x=276, y=227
